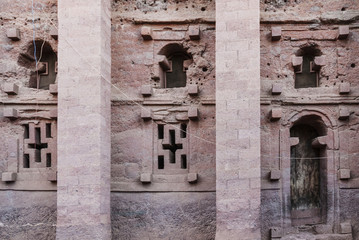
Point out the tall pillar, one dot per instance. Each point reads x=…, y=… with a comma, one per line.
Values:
x=84, y=69
x=238, y=119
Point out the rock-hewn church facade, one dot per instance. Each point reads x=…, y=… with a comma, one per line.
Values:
x=173, y=119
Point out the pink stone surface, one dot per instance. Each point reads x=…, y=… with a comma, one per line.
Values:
x=238, y=149
x=84, y=86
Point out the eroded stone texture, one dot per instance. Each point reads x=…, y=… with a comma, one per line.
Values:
x=163, y=215
x=27, y=215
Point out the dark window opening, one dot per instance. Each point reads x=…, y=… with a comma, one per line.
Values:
x=183, y=161
x=44, y=72
x=48, y=130
x=174, y=67
x=48, y=160
x=26, y=131
x=308, y=77
x=26, y=163
x=183, y=130
x=176, y=76
x=160, y=131
x=161, y=162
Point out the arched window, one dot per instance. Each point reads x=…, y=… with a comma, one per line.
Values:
x=306, y=72
x=176, y=76
x=174, y=65
x=44, y=73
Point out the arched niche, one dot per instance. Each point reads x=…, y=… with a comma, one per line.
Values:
x=44, y=66
x=173, y=63
x=325, y=131
x=306, y=71
x=308, y=170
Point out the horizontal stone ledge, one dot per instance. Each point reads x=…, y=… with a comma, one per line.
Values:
x=174, y=20
x=202, y=186
x=309, y=102
x=327, y=17
x=29, y=102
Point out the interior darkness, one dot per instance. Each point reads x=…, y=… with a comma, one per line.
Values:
x=306, y=78
x=177, y=77
x=305, y=169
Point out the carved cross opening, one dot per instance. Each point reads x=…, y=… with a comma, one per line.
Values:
x=172, y=146
x=37, y=145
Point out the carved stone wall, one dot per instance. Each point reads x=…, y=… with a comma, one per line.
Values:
x=289, y=31
x=163, y=137
x=28, y=124
x=163, y=159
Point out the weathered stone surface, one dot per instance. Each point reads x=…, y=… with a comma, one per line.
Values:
x=343, y=32
x=304, y=33
x=83, y=184
x=53, y=89
x=11, y=88
x=194, y=32
x=193, y=113
x=345, y=228
x=275, y=114
x=192, y=177
x=13, y=34
x=276, y=33
x=275, y=175
x=237, y=104
x=146, y=33
x=344, y=88
x=11, y=113
x=28, y=215
x=276, y=89
x=146, y=90
x=344, y=174
x=193, y=90
x=54, y=33
x=146, y=177
x=163, y=215
x=146, y=114
x=8, y=176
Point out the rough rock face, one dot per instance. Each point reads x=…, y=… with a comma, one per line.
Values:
x=163, y=215
x=27, y=215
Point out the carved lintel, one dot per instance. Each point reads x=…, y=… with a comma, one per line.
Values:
x=320, y=142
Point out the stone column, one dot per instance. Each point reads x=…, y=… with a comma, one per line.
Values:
x=238, y=119
x=84, y=72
